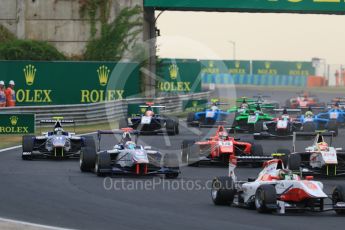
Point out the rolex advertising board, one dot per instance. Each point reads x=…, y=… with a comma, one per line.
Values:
x=17, y=124
x=179, y=77
x=225, y=67
x=283, y=68
x=54, y=83
x=194, y=105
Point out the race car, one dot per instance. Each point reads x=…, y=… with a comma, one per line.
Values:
x=320, y=158
x=246, y=120
x=335, y=115
x=277, y=189
x=282, y=126
x=127, y=157
x=211, y=117
x=57, y=144
x=304, y=100
x=150, y=122
x=321, y=121
x=219, y=148
x=264, y=102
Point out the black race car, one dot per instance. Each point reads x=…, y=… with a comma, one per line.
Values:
x=57, y=144
x=150, y=122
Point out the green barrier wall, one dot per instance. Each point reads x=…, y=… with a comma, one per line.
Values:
x=300, y=6
x=57, y=83
x=17, y=124
x=225, y=66
x=176, y=76
x=283, y=68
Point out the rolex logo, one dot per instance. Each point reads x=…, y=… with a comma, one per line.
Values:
x=14, y=120
x=195, y=103
x=103, y=75
x=237, y=64
x=173, y=71
x=299, y=66
x=29, y=74
x=268, y=65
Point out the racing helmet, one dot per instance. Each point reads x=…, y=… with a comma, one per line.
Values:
x=323, y=146
x=309, y=114
x=58, y=131
x=284, y=174
x=223, y=135
x=130, y=145
x=149, y=113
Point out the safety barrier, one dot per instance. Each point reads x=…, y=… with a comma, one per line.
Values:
x=261, y=80
x=102, y=112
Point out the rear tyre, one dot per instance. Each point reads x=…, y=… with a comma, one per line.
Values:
x=258, y=126
x=338, y=195
x=333, y=127
x=190, y=118
x=309, y=127
x=294, y=162
x=103, y=162
x=88, y=155
x=257, y=150
x=28, y=143
x=265, y=199
x=223, y=191
x=171, y=127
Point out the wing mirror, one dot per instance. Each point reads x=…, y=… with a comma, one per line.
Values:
x=237, y=139
x=147, y=147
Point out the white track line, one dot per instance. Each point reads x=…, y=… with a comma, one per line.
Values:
x=23, y=223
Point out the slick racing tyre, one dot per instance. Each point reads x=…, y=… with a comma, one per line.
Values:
x=190, y=118
x=309, y=127
x=172, y=127
x=103, y=161
x=294, y=162
x=88, y=155
x=28, y=143
x=338, y=195
x=333, y=127
x=223, y=191
x=265, y=198
x=257, y=150
x=258, y=126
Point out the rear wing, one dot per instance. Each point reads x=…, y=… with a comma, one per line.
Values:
x=116, y=132
x=311, y=134
x=57, y=121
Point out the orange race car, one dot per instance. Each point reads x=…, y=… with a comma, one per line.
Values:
x=219, y=148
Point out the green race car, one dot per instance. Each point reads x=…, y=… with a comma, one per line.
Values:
x=249, y=119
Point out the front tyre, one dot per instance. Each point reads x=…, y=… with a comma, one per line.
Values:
x=28, y=143
x=266, y=199
x=338, y=195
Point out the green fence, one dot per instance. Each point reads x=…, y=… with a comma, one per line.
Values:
x=17, y=124
x=176, y=76
x=56, y=83
x=225, y=66
x=283, y=68
x=300, y=6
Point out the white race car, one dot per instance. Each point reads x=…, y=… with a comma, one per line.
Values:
x=277, y=189
x=321, y=158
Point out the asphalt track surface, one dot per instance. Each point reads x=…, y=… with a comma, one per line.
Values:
x=56, y=193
